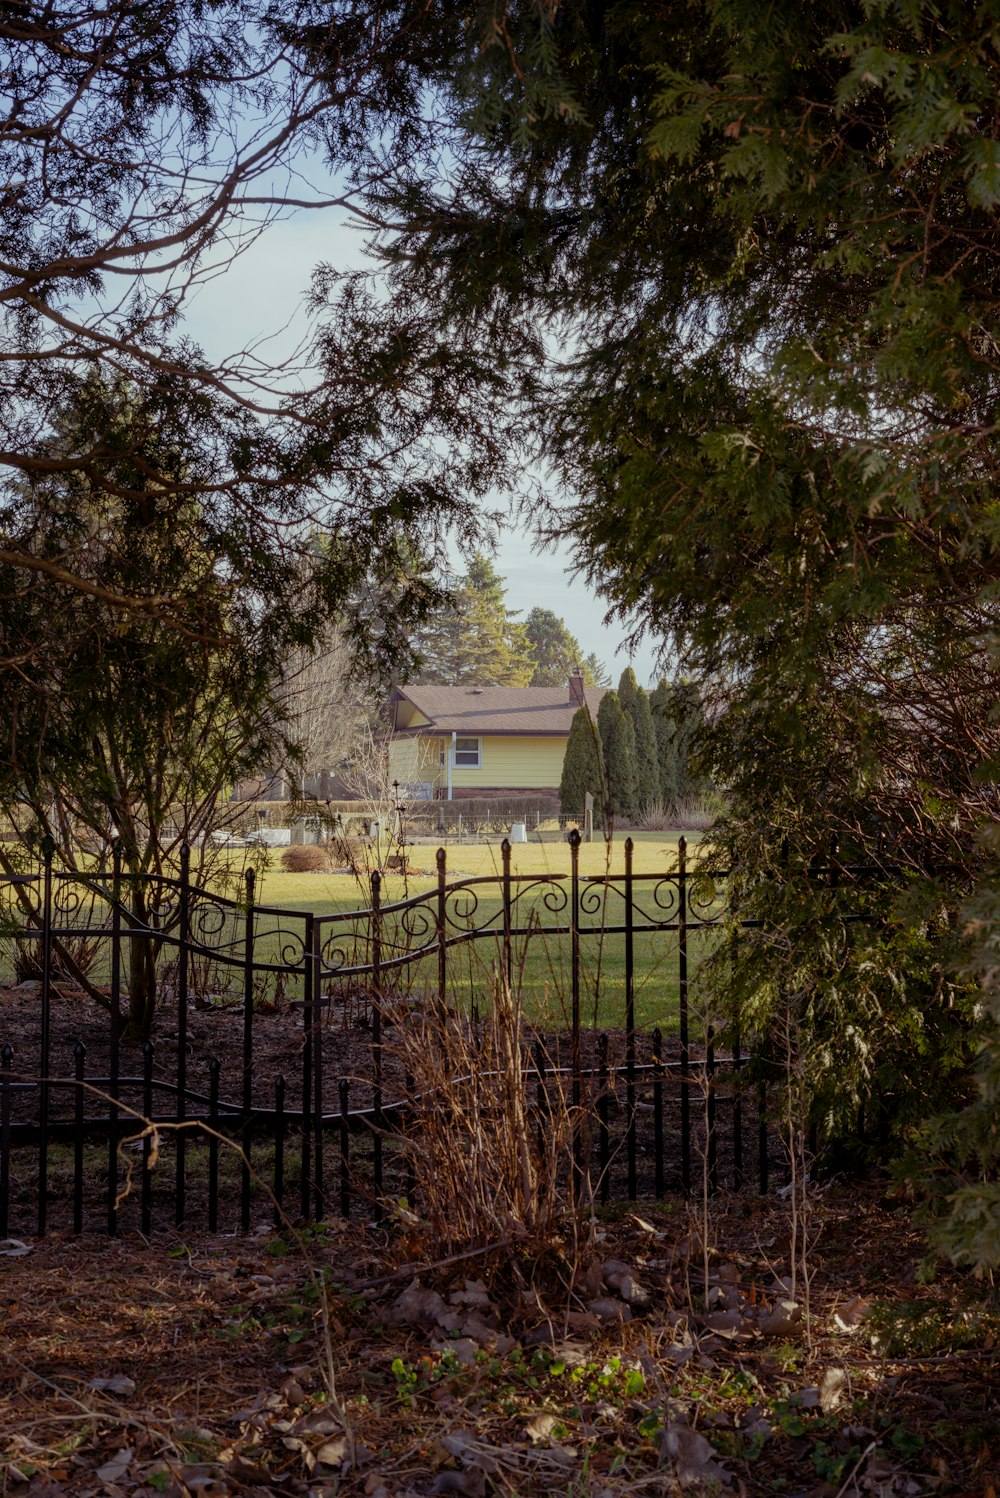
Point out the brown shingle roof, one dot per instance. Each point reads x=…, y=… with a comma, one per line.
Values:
x=481, y=710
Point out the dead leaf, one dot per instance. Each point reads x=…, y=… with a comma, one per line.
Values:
x=694, y=1459
x=115, y=1469
x=332, y=1453
x=610, y=1310
x=468, y=1484
x=319, y=1422
x=474, y=1294
x=13, y=1248
x=630, y=1290
x=831, y=1389
x=463, y=1445
x=721, y=1321
x=463, y=1349
x=540, y=1428
x=419, y=1307
x=785, y=1320
x=848, y=1317
x=119, y=1384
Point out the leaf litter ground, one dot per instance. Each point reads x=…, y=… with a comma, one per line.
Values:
x=343, y=1361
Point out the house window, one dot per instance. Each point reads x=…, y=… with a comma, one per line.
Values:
x=467, y=755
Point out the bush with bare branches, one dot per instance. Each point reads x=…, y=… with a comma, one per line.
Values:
x=487, y=1166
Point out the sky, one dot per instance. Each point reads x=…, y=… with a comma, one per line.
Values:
x=260, y=295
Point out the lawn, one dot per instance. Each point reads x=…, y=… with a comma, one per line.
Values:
x=541, y=951
x=542, y=963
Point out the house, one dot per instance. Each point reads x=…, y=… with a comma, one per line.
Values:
x=452, y=742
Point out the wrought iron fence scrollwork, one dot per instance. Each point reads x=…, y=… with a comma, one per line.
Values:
x=208, y=919
x=336, y=959
x=69, y=895
x=593, y=899
x=235, y=949
x=163, y=904
x=704, y=901
x=417, y=924
x=665, y=897
x=461, y=908
x=291, y=952
x=552, y=890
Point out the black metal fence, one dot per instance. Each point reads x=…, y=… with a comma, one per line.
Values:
x=273, y=1028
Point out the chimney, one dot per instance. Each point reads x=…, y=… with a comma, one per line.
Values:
x=576, y=696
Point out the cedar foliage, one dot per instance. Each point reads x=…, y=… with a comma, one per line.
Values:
x=769, y=235
x=635, y=702
x=582, y=770
x=556, y=652
x=475, y=638
x=617, y=737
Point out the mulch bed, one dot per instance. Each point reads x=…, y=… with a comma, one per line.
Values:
x=215, y=1031
x=192, y=1366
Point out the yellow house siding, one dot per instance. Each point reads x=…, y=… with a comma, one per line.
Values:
x=508, y=761
x=416, y=759
x=512, y=761
x=408, y=716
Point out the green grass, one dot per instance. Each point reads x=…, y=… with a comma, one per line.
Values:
x=542, y=963
x=655, y=852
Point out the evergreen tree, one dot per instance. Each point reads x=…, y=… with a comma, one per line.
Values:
x=635, y=701
x=664, y=727
x=477, y=640
x=595, y=672
x=677, y=718
x=581, y=770
x=555, y=651
x=618, y=747
x=798, y=342
x=687, y=717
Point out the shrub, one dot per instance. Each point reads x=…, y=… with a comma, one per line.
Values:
x=581, y=772
x=687, y=814
x=308, y=859
x=350, y=852
x=484, y=1166
x=618, y=742
x=696, y=813
x=657, y=816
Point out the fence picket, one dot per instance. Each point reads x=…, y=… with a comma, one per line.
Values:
x=214, y=1070
x=6, y=1066
x=309, y=1023
x=316, y=959
x=278, y=1188
x=46, y=1047
x=377, y=999
x=147, y=1141
x=682, y=987
x=373, y=946
x=248, y=1008
x=116, y=1020
x=345, y=1149
x=183, y=962
x=630, y=1139
x=79, y=1061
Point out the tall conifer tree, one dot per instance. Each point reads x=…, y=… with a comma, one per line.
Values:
x=635, y=701
x=618, y=746
x=581, y=770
